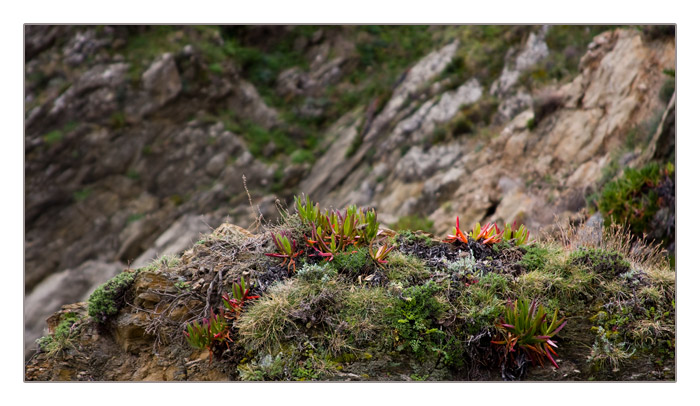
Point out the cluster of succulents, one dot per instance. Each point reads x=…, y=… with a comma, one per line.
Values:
x=491, y=234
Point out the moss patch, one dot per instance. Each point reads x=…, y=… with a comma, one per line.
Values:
x=107, y=299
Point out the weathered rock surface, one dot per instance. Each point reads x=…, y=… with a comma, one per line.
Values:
x=561, y=156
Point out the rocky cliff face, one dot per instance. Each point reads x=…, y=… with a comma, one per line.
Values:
x=521, y=171
x=133, y=150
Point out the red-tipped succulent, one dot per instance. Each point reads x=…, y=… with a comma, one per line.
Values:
x=241, y=294
x=517, y=236
x=490, y=234
x=286, y=247
x=212, y=331
x=379, y=256
x=524, y=328
x=457, y=235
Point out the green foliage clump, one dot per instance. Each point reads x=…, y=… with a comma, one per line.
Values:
x=469, y=120
x=410, y=237
x=353, y=261
x=108, y=298
x=62, y=337
x=633, y=200
x=535, y=257
x=301, y=156
x=607, y=352
x=524, y=327
x=606, y=263
x=415, y=319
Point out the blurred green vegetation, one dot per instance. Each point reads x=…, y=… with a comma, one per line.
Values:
x=381, y=55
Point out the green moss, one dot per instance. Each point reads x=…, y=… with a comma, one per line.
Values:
x=133, y=174
x=531, y=124
x=609, y=264
x=108, y=298
x=411, y=237
x=134, y=218
x=355, y=145
x=216, y=68
x=117, y=120
x=536, y=257
x=354, y=261
x=406, y=269
x=473, y=117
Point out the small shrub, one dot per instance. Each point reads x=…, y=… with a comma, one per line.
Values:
x=108, y=298
x=82, y=194
x=267, y=369
x=415, y=316
x=634, y=199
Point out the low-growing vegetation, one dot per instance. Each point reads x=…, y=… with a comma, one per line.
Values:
x=107, y=299
x=643, y=200
x=337, y=297
x=63, y=337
